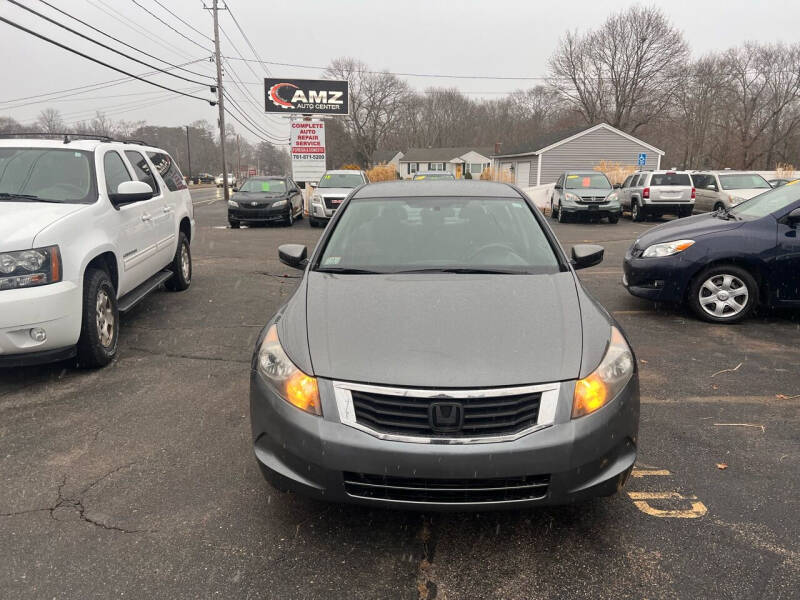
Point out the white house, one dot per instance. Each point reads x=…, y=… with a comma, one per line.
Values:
x=457, y=161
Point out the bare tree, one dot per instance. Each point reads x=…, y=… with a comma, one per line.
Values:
x=50, y=121
x=375, y=98
x=623, y=73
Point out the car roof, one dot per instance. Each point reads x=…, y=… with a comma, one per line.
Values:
x=459, y=187
x=267, y=177
x=75, y=144
x=663, y=172
x=584, y=172
x=726, y=172
x=342, y=171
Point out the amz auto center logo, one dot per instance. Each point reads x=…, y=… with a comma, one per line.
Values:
x=306, y=96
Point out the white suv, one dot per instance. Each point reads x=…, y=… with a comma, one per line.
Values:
x=87, y=229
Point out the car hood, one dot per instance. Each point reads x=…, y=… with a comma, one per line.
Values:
x=444, y=330
x=260, y=196
x=688, y=228
x=333, y=191
x=20, y=222
x=747, y=194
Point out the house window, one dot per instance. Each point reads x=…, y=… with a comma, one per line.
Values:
x=436, y=167
x=413, y=168
x=476, y=168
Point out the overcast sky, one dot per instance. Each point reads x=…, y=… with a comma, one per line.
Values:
x=509, y=38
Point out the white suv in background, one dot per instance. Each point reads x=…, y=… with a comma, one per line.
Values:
x=87, y=229
x=331, y=190
x=655, y=193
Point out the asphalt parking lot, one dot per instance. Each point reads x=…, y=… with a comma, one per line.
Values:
x=138, y=480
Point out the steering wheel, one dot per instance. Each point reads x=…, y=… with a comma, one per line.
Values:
x=493, y=247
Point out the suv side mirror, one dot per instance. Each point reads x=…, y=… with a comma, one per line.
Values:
x=293, y=255
x=712, y=186
x=313, y=184
x=558, y=187
x=587, y=255
x=616, y=186
x=129, y=192
x=793, y=218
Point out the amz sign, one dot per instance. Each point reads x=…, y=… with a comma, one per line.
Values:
x=306, y=96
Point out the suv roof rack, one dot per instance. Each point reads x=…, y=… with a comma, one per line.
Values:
x=68, y=137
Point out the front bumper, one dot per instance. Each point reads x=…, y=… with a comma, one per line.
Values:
x=662, y=279
x=598, y=209
x=320, y=211
x=258, y=214
x=56, y=308
x=581, y=458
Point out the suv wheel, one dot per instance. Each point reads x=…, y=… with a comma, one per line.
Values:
x=289, y=221
x=723, y=294
x=97, y=344
x=181, y=266
x=234, y=224
x=613, y=219
x=719, y=206
x=637, y=213
x=553, y=212
x=685, y=211
x=562, y=217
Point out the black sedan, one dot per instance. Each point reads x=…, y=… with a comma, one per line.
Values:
x=725, y=263
x=441, y=353
x=265, y=200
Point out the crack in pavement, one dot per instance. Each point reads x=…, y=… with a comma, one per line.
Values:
x=187, y=356
x=426, y=586
x=76, y=503
x=266, y=273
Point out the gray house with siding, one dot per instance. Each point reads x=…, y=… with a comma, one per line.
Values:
x=542, y=160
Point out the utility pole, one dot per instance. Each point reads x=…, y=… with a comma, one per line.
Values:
x=220, y=100
x=189, y=152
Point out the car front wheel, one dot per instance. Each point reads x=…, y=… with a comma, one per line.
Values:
x=97, y=344
x=553, y=211
x=181, y=266
x=637, y=214
x=723, y=294
x=562, y=217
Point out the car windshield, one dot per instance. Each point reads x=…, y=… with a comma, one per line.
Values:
x=341, y=180
x=586, y=181
x=269, y=186
x=390, y=235
x=743, y=181
x=47, y=175
x=768, y=202
x=670, y=179
x=433, y=176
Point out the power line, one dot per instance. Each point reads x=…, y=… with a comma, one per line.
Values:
x=184, y=22
x=101, y=44
x=101, y=32
x=249, y=119
x=246, y=39
x=96, y=60
x=85, y=88
x=232, y=116
x=162, y=21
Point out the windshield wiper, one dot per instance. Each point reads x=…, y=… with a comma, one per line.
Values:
x=349, y=271
x=467, y=270
x=28, y=197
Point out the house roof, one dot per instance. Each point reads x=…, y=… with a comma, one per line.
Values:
x=549, y=141
x=442, y=154
x=384, y=156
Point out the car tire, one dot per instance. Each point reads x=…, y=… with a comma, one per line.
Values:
x=97, y=344
x=613, y=219
x=637, y=212
x=684, y=211
x=562, y=216
x=717, y=308
x=234, y=224
x=181, y=266
x=314, y=222
x=289, y=220
x=553, y=211
x=718, y=206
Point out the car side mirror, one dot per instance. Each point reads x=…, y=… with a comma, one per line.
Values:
x=711, y=187
x=587, y=255
x=616, y=186
x=293, y=255
x=129, y=192
x=558, y=187
x=793, y=218
x=313, y=184
x=235, y=189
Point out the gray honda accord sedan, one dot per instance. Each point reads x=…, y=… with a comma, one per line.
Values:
x=441, y=353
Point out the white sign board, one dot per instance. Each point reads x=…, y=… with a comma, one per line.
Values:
x=307, y=142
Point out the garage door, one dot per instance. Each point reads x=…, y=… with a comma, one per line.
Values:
x=523, y=174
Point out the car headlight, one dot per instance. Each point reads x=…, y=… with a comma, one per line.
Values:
x=233, y=204
x=316, y=198
x=612, y=197
x=569, y=197
x=279, y=203
x=29, y=268
x=291, y=384
x=667, y=248
x=734, y=200
x=603, y=384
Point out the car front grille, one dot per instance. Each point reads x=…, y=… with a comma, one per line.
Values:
x=333, y=202
x=446, y=491
x=592, y=199
x=417, y=416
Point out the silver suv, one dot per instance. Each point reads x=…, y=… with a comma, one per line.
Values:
x=725, y=189
x=657, y=193
x=586, y=193
x=330, y=192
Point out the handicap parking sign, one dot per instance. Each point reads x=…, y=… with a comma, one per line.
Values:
x=642, y=159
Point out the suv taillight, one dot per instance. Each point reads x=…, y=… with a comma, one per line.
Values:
x=694, y=193
x=646, y=193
